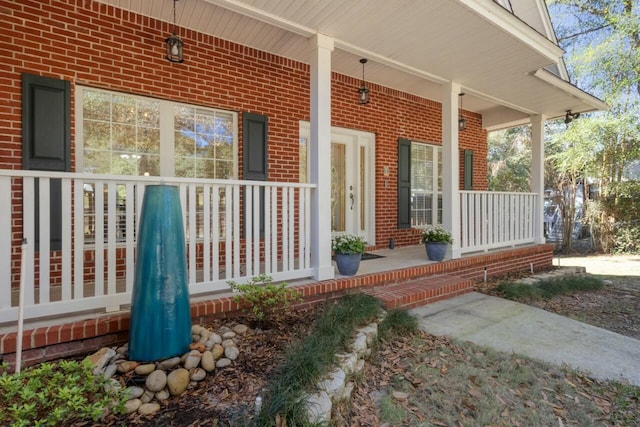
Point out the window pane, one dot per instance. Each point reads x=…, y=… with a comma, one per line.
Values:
x=124, y=109
x=97, y=135
x=97, y=161
x=96, y=105
x=422, y=183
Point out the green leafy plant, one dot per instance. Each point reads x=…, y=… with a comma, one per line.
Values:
x=56, y=394
x=348, y=244
x=262, y=298
x=435, y=234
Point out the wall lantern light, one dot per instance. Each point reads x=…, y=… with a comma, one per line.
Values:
x=363, y=92
x=462, y=122
x=568, y=118
x=173, y=42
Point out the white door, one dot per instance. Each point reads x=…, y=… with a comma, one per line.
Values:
x=352, y=181
x=352, y=198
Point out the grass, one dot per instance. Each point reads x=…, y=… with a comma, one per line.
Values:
x=312, y=357
x=548, y=288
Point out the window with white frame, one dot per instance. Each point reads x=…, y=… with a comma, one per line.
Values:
x=123, y=134
x=426, y=184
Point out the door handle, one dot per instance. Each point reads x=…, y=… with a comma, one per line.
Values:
x=353, y=199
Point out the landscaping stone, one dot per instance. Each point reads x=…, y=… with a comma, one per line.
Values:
x=231, y=353
x=217, y=351
x=162, y=395
x=169, y=364
x=240, y=329
x=197, y=374
x=156, y=381
x=177, y=381
x=109, y=371
x=319, y=408
x=132, y=405
x=208, y=362
x=147, y=396
x=228, y=343
x=224, y=362
x=127, y=366
x=148, y=408
x=193, y=359
x=228, y=335
x=134, y=392
x=100, y=359
x=145, y=369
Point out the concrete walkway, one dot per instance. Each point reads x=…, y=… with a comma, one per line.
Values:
x=517, y=328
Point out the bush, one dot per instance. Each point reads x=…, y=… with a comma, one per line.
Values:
x=263, y=299
x=548, y=288
x=54, y=394
x=627, y=238
x=348, y=244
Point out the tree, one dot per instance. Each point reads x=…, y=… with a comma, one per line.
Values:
x=602, y=39
x=509, y=160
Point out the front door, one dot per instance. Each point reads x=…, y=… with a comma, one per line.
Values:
x=352, y=182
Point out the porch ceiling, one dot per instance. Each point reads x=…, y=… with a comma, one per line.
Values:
x=412, y=46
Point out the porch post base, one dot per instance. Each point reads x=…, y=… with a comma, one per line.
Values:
x=326, y=272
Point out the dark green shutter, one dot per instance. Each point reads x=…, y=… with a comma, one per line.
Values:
x=254, y=157
x=46, y=139
x=404, y=183
x=468, y=169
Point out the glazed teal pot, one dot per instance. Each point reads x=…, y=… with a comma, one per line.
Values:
x=160, y=311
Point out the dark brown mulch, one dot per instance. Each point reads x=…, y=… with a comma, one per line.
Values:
x=227, y=397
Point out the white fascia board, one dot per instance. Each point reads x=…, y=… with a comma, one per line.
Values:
x=572, y=90
x=503, y=118
x=512, y=25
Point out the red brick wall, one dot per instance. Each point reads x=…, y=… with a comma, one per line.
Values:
x=93, y=44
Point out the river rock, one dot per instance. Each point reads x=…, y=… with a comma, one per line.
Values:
x=193, y=359
x=240, y=329
x=228, y=335
x=217, y=351
x=198, y=346
x=127, y=366
x=167, y=365
x=145, y=369
x=223, y=362
x=178, y=381
x=197, y=374
x=215, y=338
x=123, y=349
x=147, y=396
x=208, y=362
x=163, y=395
x=228, y=343
x=132, y=405
x=231, y=353
x=100, y=358
x=133, y=392
x=109, y=371
x=156, y=381
x=148, y=408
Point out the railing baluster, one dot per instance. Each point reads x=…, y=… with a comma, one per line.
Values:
x=67, y=233
x=256, y=229
x=206, y=230
x=99, y=240
x=28, y=222
x=111, y=240
x=236, y=231
x=44, y=252
x=7, y=237
x=248, y=229
x=130, y=243
x=268, y=218
x=78, y=241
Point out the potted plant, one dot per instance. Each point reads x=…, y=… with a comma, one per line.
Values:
x=348, y=249
x=436, y=240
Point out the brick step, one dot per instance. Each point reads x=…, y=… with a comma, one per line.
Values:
x=425, y=290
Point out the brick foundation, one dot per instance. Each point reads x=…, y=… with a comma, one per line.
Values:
x=80, y=337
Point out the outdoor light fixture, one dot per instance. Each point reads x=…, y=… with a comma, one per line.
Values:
x=462, y=122
x=568, y=118
x=174, y=43
x=363, y=92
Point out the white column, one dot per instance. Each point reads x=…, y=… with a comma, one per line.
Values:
x=320, y=155
x=537, y=174
x=451, y=165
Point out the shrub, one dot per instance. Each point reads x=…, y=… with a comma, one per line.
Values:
x=627, y=238
x=55, y=394
x=262, y=298
x=435, y=234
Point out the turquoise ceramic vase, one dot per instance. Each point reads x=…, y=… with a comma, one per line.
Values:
x=160, y=312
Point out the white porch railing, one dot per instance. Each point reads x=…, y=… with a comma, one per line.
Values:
x=234, y=230
x=491, y=220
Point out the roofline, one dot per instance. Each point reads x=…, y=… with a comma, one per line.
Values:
x=595, y=103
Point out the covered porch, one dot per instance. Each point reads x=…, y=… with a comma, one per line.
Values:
x=234, y=230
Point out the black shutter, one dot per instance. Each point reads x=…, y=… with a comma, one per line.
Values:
x=254, y=157
x=468, y=169
x=46, y=141
x=404, y=183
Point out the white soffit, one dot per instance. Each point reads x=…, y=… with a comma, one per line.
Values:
x=412, y=46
